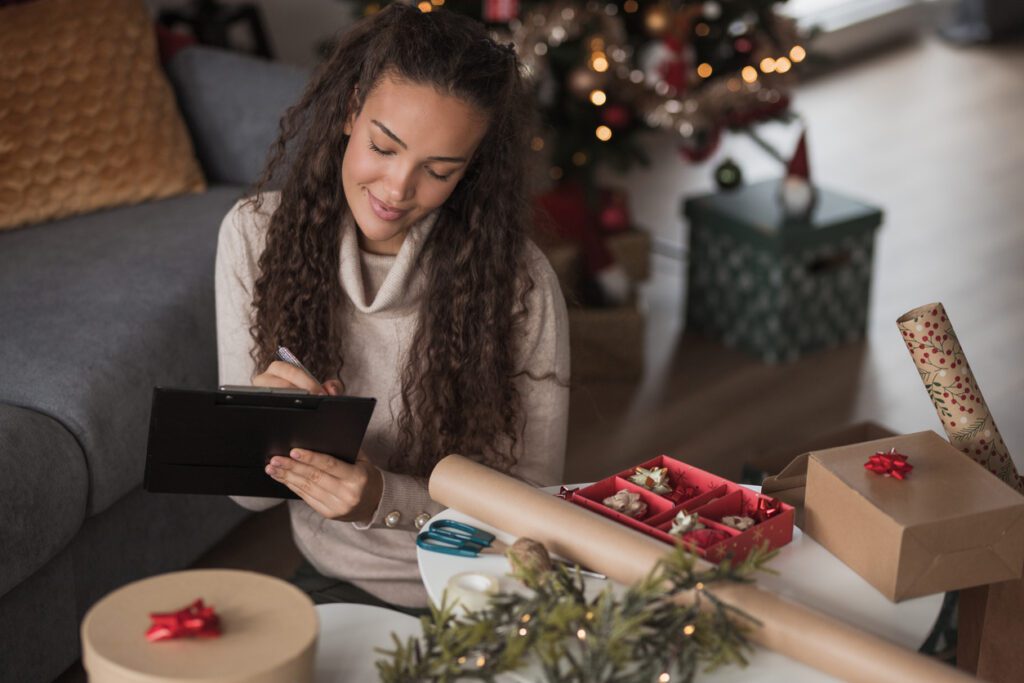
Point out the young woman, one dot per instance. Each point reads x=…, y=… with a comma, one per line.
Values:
x=394, y=263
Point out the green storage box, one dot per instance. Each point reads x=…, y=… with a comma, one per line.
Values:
x=773, y=286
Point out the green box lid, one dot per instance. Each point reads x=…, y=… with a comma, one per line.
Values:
x=754, y=214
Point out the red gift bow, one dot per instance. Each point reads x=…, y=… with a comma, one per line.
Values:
x=194, y=621
x=891, y=464
x=767, y=507
x=565, y=493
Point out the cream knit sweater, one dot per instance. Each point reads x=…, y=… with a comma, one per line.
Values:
x=383, y=295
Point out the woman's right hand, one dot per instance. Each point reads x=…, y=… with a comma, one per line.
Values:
x=281, y=375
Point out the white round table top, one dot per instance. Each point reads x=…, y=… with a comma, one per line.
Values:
x=807, y=573
x=349, y=636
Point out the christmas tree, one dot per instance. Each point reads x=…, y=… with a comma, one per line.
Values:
x=607, y=69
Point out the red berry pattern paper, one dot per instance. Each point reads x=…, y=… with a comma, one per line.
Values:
x=951, y=385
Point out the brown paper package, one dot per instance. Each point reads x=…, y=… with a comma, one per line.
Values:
x=626, y=556
x=949, y=525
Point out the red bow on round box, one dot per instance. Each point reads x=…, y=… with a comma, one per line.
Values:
x=891, y=464
x=194, y=621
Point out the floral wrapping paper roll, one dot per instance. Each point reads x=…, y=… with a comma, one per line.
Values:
x=954, y=391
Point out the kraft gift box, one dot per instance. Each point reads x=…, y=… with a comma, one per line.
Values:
x=949, y=525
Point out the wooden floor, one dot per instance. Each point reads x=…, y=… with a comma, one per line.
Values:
x=931, y=133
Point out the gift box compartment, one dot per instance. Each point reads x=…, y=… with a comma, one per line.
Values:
x=693, y=490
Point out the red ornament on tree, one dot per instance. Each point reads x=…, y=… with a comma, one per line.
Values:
x=500, y=11
x=673, y=70
x=617, y=116
x=614, y=214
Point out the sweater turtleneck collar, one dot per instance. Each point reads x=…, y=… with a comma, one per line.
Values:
x=403, y=284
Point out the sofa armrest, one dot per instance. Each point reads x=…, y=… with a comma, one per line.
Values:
x=232, y=103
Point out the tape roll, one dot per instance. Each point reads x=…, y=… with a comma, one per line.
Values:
x=472, y=590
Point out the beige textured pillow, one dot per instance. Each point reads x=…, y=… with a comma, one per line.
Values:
x=87, y=118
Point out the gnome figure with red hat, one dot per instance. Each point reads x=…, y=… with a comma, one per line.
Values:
x=797, y=194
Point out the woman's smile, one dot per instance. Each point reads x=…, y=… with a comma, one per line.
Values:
x=382, y=210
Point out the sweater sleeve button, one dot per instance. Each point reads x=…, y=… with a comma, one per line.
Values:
x=421, y=519
x=392, y=519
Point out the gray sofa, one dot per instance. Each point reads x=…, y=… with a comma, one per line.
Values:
x=95, y=310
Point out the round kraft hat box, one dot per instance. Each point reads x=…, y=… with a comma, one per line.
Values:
x=268, y=630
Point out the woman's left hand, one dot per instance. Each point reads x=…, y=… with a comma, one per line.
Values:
x=334, y=488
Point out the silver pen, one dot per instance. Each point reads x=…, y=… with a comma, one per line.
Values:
x=288, y=357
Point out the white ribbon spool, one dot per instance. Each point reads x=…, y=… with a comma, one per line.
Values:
x=472, y=589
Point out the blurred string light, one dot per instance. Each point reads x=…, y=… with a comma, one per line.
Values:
x=425, y=6
x=608, y=54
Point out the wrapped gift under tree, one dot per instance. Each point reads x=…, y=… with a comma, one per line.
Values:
x=774, y=285
x=600, y=258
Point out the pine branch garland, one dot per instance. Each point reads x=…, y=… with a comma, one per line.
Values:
x=639, y=636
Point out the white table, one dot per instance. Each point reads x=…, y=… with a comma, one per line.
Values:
x=348, y=635
x=808, y=574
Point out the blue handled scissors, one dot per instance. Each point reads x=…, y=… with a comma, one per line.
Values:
x=455, y=538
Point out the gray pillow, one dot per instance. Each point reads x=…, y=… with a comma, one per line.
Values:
x=233, y=103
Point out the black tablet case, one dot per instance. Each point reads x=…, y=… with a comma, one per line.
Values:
x=219, y=442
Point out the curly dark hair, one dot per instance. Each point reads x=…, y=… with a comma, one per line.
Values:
x=458, y=392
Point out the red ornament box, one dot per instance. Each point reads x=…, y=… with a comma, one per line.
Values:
x=695, y=490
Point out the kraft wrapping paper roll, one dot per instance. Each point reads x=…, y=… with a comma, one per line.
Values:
x=954, y=391
x=626, y=555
